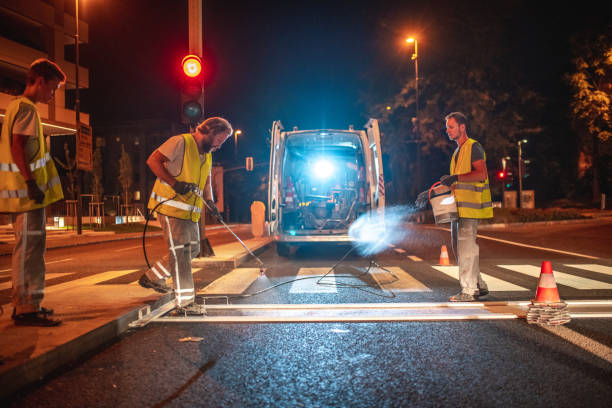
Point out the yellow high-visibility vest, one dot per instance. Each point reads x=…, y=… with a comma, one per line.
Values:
x=473, y=198
x=184, y=206
x=13, y=188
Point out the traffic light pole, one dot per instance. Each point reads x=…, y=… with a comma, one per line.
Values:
x=77, y=110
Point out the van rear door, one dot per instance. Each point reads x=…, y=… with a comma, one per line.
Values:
x=274, y=177
x=375, y=152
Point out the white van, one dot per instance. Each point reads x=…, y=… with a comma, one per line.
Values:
x=321, y=181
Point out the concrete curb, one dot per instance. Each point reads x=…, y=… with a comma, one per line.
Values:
x=599, y=220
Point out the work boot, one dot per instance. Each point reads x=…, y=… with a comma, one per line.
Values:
x=40, y=318
x=484, y=291
x=157, y=285
x=463, y=297
x=191, y=309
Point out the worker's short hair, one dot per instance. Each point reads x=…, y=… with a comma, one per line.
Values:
x=213, y=126
x=45, y=69
x=459, y=117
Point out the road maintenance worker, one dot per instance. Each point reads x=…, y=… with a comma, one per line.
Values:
x=29, y=182
x=183, y=165
x=469, y=182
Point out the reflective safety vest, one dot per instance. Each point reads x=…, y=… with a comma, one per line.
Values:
x=473, y=197
x=184, y=206
x=13, y=188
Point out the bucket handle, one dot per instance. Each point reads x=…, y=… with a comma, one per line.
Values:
x=431, y=188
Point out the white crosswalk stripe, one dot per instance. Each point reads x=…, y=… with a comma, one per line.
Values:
x=309, y=285
x=606, y=270
x=562, y=278
x=404, y=283
x=494, y=284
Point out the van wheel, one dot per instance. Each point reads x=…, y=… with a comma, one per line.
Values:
x=283, y=249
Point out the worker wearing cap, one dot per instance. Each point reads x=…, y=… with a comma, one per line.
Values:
x=28, y=184
x=470, y=184
x=183, y=165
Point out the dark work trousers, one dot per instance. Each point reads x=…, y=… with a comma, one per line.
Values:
x=28, y=262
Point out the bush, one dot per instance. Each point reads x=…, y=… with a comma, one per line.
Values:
x=512, y=215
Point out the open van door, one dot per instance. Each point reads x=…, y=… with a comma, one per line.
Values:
x=274, y=193
x=373, y=133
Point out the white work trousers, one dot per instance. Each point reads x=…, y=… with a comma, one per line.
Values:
x=28, y=262
x=183, y=240
x=463, y=237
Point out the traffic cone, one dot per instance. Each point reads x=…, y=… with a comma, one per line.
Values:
x=444, y=256
x=547, y=308
x=547, y=286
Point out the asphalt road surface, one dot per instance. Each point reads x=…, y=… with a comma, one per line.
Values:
x=464, y=362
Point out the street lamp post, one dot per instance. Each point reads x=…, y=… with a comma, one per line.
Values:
x=415, y=57
x=236, y=133
x=520, y=170
x=77, y=110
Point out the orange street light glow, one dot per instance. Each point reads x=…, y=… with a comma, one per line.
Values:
x=192, y=66
x=410, y=40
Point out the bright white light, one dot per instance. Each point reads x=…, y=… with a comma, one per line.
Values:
x=323, y=169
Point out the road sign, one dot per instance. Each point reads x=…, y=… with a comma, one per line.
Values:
x=84, y=150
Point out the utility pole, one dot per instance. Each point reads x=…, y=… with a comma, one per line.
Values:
x=77, y=110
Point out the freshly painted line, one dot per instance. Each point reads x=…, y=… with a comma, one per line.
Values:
x=494, y=284
x=606, y=270
x=586, y=343
x=528, y=246
x=391, y=245
x=405, y=282
x=414, y=258
x=89, y=280
x=310, y=285
x=233, y=283
x=399, y=250
x=48, y=276
x=562, y=278
x=347, y=306
x=330, y=319
x=127, y=249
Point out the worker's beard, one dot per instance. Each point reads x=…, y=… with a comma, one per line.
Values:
x=206, y=146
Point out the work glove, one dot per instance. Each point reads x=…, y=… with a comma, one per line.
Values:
x=34, y=192
x=212, y=207
x=183, y=188
x=448, y=180
x=422, y=199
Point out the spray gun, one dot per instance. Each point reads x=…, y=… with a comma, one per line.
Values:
x=213, y=209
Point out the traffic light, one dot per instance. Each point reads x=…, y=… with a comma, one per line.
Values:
x=501, y=175
x=249, y=164
x=192, y=92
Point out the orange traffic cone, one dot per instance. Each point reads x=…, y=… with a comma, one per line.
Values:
x=444, y=256
x=547, y=286
x=547, y=308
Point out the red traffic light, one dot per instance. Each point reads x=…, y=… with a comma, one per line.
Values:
x=192, y=65
x=501, y=175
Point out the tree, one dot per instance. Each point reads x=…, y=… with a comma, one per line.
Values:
x=591, y=84
x=97, y=187
x=70, y=167
x=125, y=173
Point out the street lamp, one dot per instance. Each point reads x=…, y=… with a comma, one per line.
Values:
x=520, y=171
x=236, y=133
x=415, y=57
x=77, y=110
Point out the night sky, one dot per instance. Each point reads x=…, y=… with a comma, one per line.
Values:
x=311, y=64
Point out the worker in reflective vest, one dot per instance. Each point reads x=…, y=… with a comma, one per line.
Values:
x=183, y=165
x=28, y=183
x=470, y=184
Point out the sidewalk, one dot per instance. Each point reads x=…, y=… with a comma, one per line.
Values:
x=92, y=314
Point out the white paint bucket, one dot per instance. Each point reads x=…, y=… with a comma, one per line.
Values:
x=443, y=203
